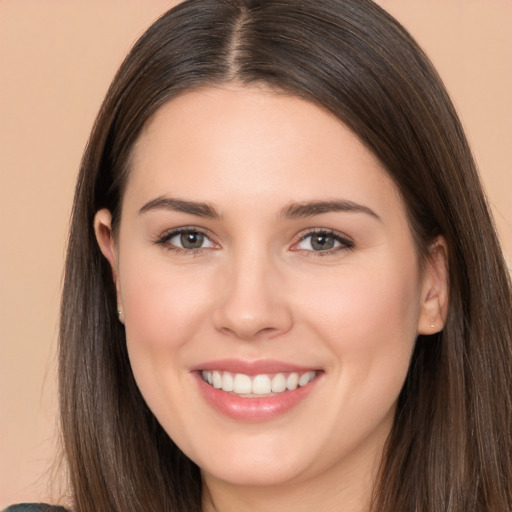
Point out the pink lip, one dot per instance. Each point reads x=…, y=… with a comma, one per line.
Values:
x=252, y=409
x=251, y=367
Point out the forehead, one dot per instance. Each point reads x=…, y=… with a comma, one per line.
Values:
x=246, y=143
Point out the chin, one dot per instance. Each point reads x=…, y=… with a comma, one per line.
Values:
x=260, y=461
x=253, y=474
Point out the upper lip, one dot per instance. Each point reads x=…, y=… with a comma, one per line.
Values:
x=256, y=367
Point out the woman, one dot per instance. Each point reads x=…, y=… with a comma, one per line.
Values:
x=283, y=286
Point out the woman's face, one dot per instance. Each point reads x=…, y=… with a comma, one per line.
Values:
x=264, y=249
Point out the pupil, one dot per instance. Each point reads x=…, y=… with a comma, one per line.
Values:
x=191, y=240
x=322, y=242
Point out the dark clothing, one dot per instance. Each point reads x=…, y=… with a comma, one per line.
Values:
x=34, y=507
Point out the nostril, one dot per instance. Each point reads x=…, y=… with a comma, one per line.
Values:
x=248, y=332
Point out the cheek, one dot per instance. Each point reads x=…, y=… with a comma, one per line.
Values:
x=164, y=309
x=368, y=315
x=161, y=304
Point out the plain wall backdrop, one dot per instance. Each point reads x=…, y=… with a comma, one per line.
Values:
x=57, y=59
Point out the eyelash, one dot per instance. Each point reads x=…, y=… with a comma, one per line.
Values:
x=344, y=242
x=166, y=237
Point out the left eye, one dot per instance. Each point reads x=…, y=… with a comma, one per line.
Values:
x=322, y=241
x=189, y=239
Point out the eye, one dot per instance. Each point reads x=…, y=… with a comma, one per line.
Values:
x=323, y=241
x=186, y=239
x=189, y=240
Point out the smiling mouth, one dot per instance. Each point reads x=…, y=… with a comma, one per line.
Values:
x=257, y=386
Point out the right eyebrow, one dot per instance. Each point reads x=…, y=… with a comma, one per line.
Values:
x=199, y=209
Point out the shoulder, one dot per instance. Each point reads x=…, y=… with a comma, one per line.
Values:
x=34, y=507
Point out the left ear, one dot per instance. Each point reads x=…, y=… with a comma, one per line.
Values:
x=435, y=289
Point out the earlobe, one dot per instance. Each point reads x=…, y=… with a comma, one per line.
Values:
x=435, y=289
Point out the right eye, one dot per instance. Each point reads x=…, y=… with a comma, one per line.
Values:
x=186, y=240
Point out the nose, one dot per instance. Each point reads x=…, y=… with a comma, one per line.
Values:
x=252, y=301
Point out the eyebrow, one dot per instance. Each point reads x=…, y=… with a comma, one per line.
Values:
x=294, y=210
x=311, y=208
x=180, y=205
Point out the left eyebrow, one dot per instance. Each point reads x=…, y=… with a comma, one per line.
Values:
x=311, y=208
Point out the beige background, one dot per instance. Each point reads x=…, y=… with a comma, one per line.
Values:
x=57, y=58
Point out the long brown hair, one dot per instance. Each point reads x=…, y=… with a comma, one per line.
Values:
x=451, y=445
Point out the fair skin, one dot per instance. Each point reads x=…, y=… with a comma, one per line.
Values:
x=264, y=272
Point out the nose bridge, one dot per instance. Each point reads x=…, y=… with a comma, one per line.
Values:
x=253, y=302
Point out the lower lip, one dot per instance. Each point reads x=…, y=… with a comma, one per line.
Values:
x=253, y=409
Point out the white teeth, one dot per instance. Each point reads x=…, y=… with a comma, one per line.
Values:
x=217, y=380
x=263, y=384
x=278, y=383
x=227, y=382
x=242, y=384
x=292, y=381
x=207, y=377
x=305, y=378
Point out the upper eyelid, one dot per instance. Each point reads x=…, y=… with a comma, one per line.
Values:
x=346, y=242
x=169, y=233
x=337, y=234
